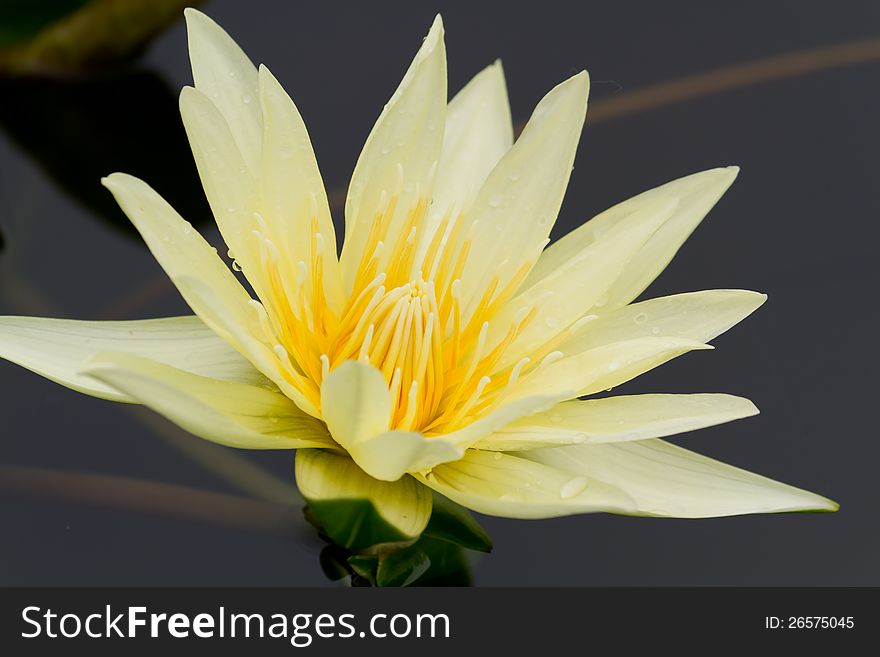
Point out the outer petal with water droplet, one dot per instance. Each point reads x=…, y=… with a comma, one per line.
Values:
x=662, y=479
x=225, y=412
x=518, y=204
x=400, y=156
x=618, y=419
x=58, y=348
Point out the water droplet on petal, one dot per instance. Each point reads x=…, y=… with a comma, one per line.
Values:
x=494, y=201
x=497, y=456
x=655, y=330
x=552, y=322
x=573, y=487
x=641, y=318
x=386, y=149
x=247, y=98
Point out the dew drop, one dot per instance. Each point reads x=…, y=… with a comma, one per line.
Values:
x=514, y=176
x=247, y=98
x=655, y=330
x=552, y=322
x=494, y=201
x=641, y=318
x=232, y=73
x=542, y=220
x=497, y=456
x=573, y=487
x=386, y=149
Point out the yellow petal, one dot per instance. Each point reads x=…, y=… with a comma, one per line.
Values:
x=229, y=184
x=518, y=204
x=356, y=405
x=399, y=158
x=582, y=281
x=505, y=485
x=390, y=455
x=695, y=194
x=58, y=348
x=700, y=316
x=223, y=73
x=292, y=189
x=202, y=278
x=604, y=366
x=618, y=419
x=479, y=131
x=661, y=479
x=323, y=475
x=233, y=414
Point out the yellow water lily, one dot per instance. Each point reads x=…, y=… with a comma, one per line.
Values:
x=445, y=348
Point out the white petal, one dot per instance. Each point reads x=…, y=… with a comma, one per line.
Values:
x=661, y=479
x=399, y=158
x=582, y=281
x=695, y=195
x=603, y=367
x=58, y=348
x=517, y=206
x=618, y=419
x=224, y=74
x=233, y=414
x=479, y=131
x=700, y=316
x=293, y=194
x=322, y=475
x=506, y=485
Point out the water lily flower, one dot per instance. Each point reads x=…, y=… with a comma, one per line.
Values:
x=445, y=348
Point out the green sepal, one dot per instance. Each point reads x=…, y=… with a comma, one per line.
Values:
x=354, y=524
x=453, y=523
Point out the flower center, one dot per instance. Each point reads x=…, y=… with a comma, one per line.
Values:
x=405, y=316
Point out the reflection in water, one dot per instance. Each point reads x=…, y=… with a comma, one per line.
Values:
x=81, y=130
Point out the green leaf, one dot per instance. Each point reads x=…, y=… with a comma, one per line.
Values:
x=354, y=524
x=364, y=566
x=455, y=524
x=402, y=567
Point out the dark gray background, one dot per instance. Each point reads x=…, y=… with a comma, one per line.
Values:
x=800, y=223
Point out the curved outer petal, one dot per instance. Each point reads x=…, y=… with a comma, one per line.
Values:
x=604, y=366
x=650, y=477
x=224, y=74
x=400, y=156
x=479, y=131
x=695, y=194
x=205, y=282
x=293, y=194
x=58, y=348
x=518, y=204
x=618, y=419
x=323, y=475
x=569, y=293
x=356, y=405
x=505, y=485
x=662, y=479
x=700, y=316
x=233, y=414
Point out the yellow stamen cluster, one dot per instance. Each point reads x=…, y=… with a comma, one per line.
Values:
x=405, y=317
